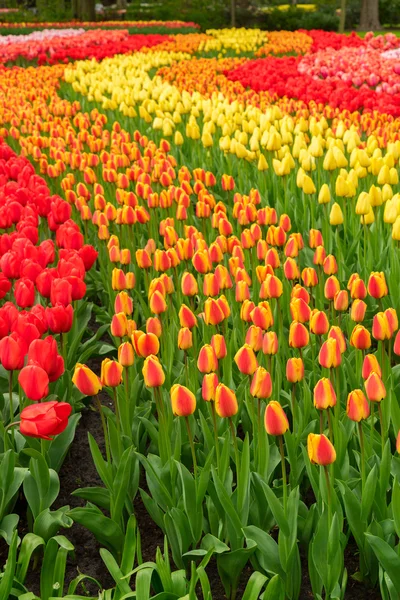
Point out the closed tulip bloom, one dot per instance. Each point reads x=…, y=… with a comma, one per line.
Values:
x=294, y=370
x=152, y=371
x=24, y=292
x=157, y=303
x=209, y=386
x=262, y=315
x=357, y=288
x=329, y=355
x=360, y=338
x=358, y=310
x=275, y=419
x=298, y=335
x=12, y=352
x=246, y=360
x=246, y=311
x=123, y=303
x=219, y=345
x=370, y=364
x=59, y=318
x=185, y=338
x=61, y=292
x=336, y=215
x=86, y=381
x=309, y=277
x=330, y=265
x=34, y=381
x=226, y=404
x=324, y=394
x=270, y=344
x=45, y=420
x=213, y=313
x=324, y=196
x=261, y=384
x=375, y=388
x=210, y=285
x=320, y=450
x=337, y=334
x=207, y=360
x=299, y=291
x=118, y=280
x=119, y=325
x=319, y=255
x=242, y=291
x=392, y=319
x=153, y=325
x=319, y=324
x=291, y=269
x=396, y=347
x=380, y=327
x=111, y=372
x=146, y=344
x=377, y=287
x=254, y=337
x=331, y=288
x=357, y=407
x=189, y=285
x=183, y=401
x=315, y=238
x=341, y=301
x=186, y=317
x=44, y=352
x=273, y=287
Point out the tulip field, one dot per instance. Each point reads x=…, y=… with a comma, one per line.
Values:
x=199, y=337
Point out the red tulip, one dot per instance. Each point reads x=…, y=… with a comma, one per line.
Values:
x=34, y=381
x=45, y=420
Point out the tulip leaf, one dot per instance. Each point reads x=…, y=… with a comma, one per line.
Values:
x=275, y=589
x=275, y=506
x=387, y=557
x=97, y=495
x=267, y=551
x=107, y=532
x=231, y=564
x=254, y=586
x=58, y=448
x=48, y=522
x=115, y=572
x=234, y=522
x=7, y=527
x=7, y=579
x=396, y=505
x=102, y=467
x=121, y=483
x=368, y=494
x=30, y=543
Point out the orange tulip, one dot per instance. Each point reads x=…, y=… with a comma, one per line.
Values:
x=360, y=338
x=126, y=356
x=261, y=385
x=370, y=364
x=324, y=394
x=86, y=381
x=111, y=372
x=153, y=373
x=294, y=370
x=357, y=407
x=377, y=287
x=329, y=355
x=209, y=386
x=246, y=360
x=276, y=421
x=183, y=401
x=225, y=401
x=320, y=450
x=185, y=338
x=375, y=388
x=298, y=335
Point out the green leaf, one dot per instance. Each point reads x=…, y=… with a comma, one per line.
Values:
x=275, y=589
x=98, y=495
x=368, y=494
x=276, y=508
x=387, y=557
x=48, y=523
x=8, y=575
x=267, y=550
x=59, y=446
x=102, y=467
x=231, y=564
x=7, y=527
x=106, y=531
x=396, y=505
x=254, y=586
x=115, y=572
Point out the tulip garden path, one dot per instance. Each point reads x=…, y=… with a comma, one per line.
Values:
x=199, y=338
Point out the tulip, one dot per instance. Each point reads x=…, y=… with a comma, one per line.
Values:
x=358, y=310
x=261, y=385
x=370, y=364
x=34, y=381
x=337, y=334
x=254, y=338
x=319, y=324
x=357, y=407
x=111, y=373
x=341, y=301
x=270, y=343
x=396, y=347
x=45, y=420
x=59, y=318
x=380, y=327
x=320, y=450
x=294, y=370
x=299, y=310
x=329, y=355
x=86, y=381
x=324, y=394
x=209, y=386
x=226, y=405
x=246, y=360
x=360, y=338
x=152, y=371
x=183, y=401
x=219, y=345
x=331, y=288
x=61, y=292
x=392, y=319
x=207, y=360
x=186, y=317
x=12, y=352
x=276, y=421
x=377, y=287
x=126, y=355
x=298, y=335
x=336, y=215
x=309, y=277
x=375, y=388
x=398, y=443
x=213, y=312
x=185, y=338
x=119, y=325
x=45, y=354
x=153, y=325
x=123, y=303
x=146, y=344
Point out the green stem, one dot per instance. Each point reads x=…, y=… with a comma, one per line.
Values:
x=328, y=485
x=284, y=481
x=104, y=425
x=117, y=416
x=293, y=405
x=235, y=445
x=372, y=427
x=362, y=454
x=383, y=440
x=215, y=427
x=189, y=431
x=10, y=389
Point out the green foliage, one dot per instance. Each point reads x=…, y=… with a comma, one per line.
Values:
x=295, y=18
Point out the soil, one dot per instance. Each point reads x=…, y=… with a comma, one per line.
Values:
x=78, y=470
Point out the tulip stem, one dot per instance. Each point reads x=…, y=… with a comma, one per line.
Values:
x=362, y=454
x=189, y=431
x=116, y=408
x=321, y=422
x=235, y=446
x=215, y=427
x=10, y=401
x=372, y=427
x=330, y=425
x=284, y=481
x=328, y=485
x=382, y=427
x=104, y=425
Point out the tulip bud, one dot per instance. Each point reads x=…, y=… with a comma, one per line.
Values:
x=294, y=370
x=357, y=407
x=261, y=385
x=153, y=325
x=276, y=421
x=126, y=356
x=319, y=324
x=341, y=301
x=207, y=360
x=145, y=344
x=183, y=401
x=320, y=450
x=336, y=215
x=324, y=394
x=209, y=386
x=360, y=338
x=309, y=277
x=152, y=371
x=324, y=196
x=225, y=401
x=185, y=338
x=270, y=344
x=396, y=347
x=86, y=381
x=254, y=338
x=119, y=325
x=298, y=335
x=358, y=309
x=189, y=285
x=246, y=360
x=375, y=388
x=392, y=319
x=34, y=381
x=219, y=345
x=377, y=287
x=332, y=287
x=111, y=373
x=370, y=364
x=380, y=327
